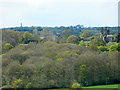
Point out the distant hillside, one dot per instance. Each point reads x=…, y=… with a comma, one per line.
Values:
x=76, y=30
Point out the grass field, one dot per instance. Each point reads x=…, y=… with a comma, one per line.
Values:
x=105, y=86
x=98, y=87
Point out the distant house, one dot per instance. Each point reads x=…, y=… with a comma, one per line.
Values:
x=110, y=38
x=86, y=41
x=42, y=37
x=105, y=33
x=109, y=35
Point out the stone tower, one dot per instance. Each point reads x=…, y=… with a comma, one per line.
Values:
x=21, y=24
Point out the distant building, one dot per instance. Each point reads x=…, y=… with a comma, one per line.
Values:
x=86, y=41
x=105, y=34
x=42, y=37
x=110, y=38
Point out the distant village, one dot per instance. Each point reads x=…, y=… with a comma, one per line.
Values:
x=107, y=33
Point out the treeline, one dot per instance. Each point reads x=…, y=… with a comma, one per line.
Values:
x=51, y=65
x=76, y=30
x=58, y=62
x=11, y=39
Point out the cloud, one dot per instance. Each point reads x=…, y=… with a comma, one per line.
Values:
x=46, y=3
x=58, y=12
x=40, y=2
x=10, y=1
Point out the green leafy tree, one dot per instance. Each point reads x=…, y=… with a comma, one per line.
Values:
x=59, y=59
x=20, y=57
x=117, y=37
x=85, y=34
x=44, y=33
x=73, y=39
x=115, y=47
x=48, y=35
x=102, y=48
x=26, y=37
x=7, y=47
x=66, y=33
x=93, y=47
x=82, y=43
x=18, y=83
x=118, y=48
x=98, y=42
x=29, y=85
x=11, y=37
x=35, y=32
x=84, y=74
x=75, y=85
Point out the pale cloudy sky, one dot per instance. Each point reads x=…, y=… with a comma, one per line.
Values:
x=58, y=12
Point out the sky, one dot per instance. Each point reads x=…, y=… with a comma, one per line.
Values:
x=58, y=13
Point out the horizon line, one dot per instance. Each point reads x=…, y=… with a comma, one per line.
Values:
x=57, y=26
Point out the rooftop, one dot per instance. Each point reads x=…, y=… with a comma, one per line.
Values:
x=109, y=35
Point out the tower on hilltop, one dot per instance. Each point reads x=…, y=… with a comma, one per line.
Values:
x=21, y=24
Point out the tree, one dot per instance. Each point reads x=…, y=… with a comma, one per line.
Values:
x=18, y=83
x=84, y=74
x=48, y=35
x=35, y=32
x=98, y=42
x=44, y=33
x=115, y=47
x=75, y=85
x=29, y=85
x=7, y=47
x=85, y=34
x=26, y=37
x=117, y=37
x=73, y=39
x=102, y=48
x=82, y=43
x=66, y=33
x=93, y=47
x=39, y=28
x=20, y=57
x=11, y=37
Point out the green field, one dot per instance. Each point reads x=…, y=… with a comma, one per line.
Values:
x=105, y=86
x=99, y=87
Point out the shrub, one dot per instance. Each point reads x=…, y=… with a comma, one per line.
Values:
x=73, y=39
x=75, y=85
x=7, y=47
x=29, y=85
x=102, y=48
x=17, y=83
x=114, y=47
x=98, y=42
x=59, y=59
x=82, y=43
